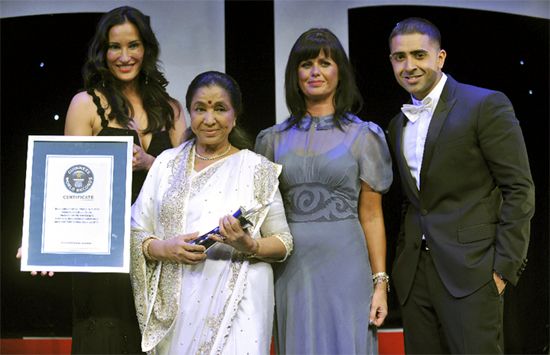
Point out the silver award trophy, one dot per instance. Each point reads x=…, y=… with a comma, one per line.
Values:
x=244, y=217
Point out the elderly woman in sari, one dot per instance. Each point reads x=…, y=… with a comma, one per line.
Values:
x=190, y=300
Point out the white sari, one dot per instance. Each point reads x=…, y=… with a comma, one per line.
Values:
x=224, y=305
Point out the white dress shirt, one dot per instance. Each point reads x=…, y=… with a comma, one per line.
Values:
x=416, y=129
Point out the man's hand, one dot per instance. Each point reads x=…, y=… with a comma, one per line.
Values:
x=501, y=284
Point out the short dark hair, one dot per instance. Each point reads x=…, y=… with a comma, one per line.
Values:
x=416, y=25
x=238, y=137
x=310, y=43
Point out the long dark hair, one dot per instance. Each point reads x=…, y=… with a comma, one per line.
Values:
x=308, y=46
x=151, y=81
x=237, y=137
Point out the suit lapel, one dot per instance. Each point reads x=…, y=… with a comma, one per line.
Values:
x=446, y=102
x=403, y=166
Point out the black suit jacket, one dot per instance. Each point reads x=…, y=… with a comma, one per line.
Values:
x=476, y=194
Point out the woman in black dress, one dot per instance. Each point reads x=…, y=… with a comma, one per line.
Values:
x=124, y=95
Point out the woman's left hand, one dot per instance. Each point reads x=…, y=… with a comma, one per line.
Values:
x=379, y=305
x=141, y=160
x=33, y=273
x=233, y=234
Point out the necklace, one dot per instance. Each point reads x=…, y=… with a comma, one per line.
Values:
x=214, y=157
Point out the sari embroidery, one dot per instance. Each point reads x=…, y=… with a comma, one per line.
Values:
x=161, y=288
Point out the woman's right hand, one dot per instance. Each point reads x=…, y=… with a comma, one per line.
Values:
x=178, y=250
x=34, y=273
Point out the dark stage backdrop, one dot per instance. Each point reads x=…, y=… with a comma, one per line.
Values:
x=250, y=59
x=41, y=61
x=504, y=52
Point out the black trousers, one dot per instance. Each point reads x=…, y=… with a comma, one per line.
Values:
x=435, y=322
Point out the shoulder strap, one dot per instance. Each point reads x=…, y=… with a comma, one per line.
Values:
x=100, y=109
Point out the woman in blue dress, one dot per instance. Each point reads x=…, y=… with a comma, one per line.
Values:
x=331, y=293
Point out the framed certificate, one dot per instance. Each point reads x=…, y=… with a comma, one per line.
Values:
x=77, y=204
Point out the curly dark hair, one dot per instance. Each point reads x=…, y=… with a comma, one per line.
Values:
x=238, y=137
x=308, y=46
x=151, y=81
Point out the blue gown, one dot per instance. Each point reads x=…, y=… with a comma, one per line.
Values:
x=323, y=290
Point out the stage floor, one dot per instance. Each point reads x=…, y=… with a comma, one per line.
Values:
x=390, y=341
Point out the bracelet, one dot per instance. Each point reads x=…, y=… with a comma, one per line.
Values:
x=381, y=277
x=145, y=247
x=253, y=255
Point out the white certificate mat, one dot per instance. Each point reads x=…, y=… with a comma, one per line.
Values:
x=77, y=204
x=77, y=200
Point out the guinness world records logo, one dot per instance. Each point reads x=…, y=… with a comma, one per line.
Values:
x=78, y=178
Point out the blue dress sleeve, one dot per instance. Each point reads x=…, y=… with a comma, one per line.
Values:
x=265, y=143
x=375, y=166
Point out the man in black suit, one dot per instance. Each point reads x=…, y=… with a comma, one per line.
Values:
x=469, y=198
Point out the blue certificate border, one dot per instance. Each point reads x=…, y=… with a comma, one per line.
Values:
x=119, y=151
